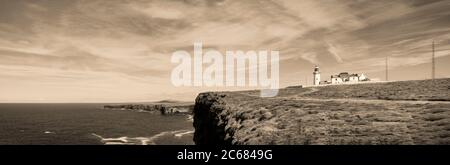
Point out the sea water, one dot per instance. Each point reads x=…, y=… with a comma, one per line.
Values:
x=89, y=124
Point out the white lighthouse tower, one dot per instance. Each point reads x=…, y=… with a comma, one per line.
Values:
x=316, y=75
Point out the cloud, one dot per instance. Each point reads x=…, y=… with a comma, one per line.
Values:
x=159, y=10
x=117, y=44
x=334, y=52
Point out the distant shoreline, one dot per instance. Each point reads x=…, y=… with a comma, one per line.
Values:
x=172, y=108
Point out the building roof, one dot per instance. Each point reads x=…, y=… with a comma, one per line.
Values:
x=345, y=75
x=335, y=76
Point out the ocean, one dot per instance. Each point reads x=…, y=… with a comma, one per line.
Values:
x=89, y=124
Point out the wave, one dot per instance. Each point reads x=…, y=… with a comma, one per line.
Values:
x=122, y=140
x=133, y=110
x=190, y=118
x=183, y=133
x=49, y=132
x=125, y=140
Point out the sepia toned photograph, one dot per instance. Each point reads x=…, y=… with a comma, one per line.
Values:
x=224, y=72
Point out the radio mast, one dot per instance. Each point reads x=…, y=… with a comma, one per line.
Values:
x=387, y=69
x=432, y=63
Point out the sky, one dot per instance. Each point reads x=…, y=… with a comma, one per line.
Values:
x=120, y=50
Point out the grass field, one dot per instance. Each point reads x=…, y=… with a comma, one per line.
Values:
x=433, y=90
x=407, y=112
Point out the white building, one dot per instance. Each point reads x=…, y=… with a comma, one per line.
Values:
x=316, y=75
x=345, y=77
x=341, y=78
x=363, y=77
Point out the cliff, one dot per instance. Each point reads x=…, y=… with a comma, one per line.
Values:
x=408, y=112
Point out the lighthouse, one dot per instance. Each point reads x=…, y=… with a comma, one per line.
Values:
x=316, y=76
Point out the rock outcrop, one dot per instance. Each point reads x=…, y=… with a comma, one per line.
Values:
x=164, y=109
x=317, y=115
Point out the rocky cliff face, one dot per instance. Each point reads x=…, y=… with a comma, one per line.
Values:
x=209, y=122
x=319, y=116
